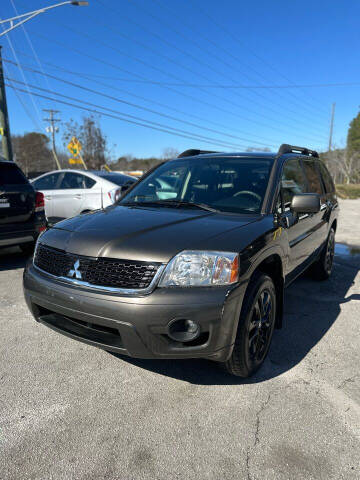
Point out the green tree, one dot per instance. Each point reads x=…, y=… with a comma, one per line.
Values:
x=353, y=137
x=93, y=141
x=32, y=153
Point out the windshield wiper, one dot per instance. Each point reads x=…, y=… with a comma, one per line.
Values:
x=186, y=203
x=170, y=203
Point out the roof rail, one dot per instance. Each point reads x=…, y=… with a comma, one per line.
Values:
x=285, y=148
x=192, y=152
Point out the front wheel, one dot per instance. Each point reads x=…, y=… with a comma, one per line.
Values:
x=255, y=329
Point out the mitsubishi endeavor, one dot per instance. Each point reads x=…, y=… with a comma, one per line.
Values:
x=193, y=260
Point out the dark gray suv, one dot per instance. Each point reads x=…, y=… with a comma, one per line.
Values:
x=193, y=260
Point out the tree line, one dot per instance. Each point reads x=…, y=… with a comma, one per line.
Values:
x=33, y=153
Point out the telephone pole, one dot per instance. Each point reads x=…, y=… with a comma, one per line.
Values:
x=10, y=24
x=331, y=125
x=52, y=128
x=4, y=118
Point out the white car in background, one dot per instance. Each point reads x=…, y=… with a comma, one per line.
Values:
x=71, y=192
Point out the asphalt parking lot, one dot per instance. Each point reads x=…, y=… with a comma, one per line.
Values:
x=70, y=411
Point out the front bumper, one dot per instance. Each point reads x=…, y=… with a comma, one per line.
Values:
x=137, y=326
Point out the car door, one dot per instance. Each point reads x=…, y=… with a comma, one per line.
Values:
x=318, y=222
x=47, y=184
x=298, y=227
x=69, y=196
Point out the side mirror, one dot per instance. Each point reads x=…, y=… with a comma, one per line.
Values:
x=306, y=203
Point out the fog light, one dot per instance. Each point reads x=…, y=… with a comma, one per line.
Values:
x=183, y=330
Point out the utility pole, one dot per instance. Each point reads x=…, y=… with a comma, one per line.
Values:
x=4, y=118
x=10, y=24
x=52, y=128
x=331, y=125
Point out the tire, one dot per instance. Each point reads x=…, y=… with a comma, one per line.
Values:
x=27, y=248
x=322, y=268
x=255, y=329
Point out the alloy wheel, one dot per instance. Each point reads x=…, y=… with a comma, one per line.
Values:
x=260, y=326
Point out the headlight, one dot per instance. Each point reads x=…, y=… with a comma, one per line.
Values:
x=192, y=268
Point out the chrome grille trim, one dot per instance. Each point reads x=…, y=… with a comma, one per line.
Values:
x=121, y=290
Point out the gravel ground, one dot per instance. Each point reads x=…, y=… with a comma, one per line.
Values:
x=71, y=411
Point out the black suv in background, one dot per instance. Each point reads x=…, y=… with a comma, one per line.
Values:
x=22, y=215
x=193, y=260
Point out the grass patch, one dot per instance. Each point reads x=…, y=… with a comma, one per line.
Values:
x=348, y=191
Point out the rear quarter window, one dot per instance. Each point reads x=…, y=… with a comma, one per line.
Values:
x=11, y=175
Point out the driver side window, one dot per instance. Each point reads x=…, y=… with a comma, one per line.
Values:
x=293, y=181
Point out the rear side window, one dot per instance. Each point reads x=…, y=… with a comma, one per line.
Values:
x=293, y=181
x=117, y=178
x=328, y=182
x=48, y=182
x=11, y=175
x=75, y=181
x=312, y=174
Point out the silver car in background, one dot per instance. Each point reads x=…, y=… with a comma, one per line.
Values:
x=71, y=192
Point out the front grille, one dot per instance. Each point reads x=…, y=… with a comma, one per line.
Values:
x=104, y=272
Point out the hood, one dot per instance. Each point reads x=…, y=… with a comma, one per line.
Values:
x=151, y=234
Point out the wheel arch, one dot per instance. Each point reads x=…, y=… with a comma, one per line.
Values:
x=272, y=266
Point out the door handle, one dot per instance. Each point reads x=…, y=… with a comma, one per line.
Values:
x=48, y=197
x=78, y=196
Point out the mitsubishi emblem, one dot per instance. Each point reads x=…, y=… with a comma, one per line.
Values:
x=75, y=272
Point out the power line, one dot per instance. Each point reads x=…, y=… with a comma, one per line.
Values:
x=208, y=40
x=201, y=137
x=38, y=123
x=232, y=35
x=74, y=49
x=137, y=106
x=226, y=144
x=231, y=102
x=123, y=101
x=196, y=99
x=191, y=137
x=189, y=114
x=196, y=85
x=198, y=61
x=31, y=45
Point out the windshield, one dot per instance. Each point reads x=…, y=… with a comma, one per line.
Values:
x=234, y=184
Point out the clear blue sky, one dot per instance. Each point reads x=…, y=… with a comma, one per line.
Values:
x=190, y=49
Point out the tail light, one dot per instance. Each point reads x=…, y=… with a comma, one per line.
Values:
x=115, y=194
x=39, y=202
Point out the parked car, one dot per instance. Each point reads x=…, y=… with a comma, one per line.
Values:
x=198, y=270
x=71, y=192
x=22, y=216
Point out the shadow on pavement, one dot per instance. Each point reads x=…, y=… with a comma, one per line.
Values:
x=311, y=308
x=12, y=259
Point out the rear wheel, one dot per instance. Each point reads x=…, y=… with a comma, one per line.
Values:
x=322, y=268
x=255, y=329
